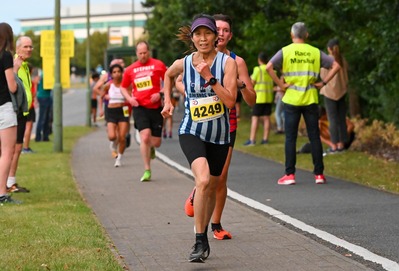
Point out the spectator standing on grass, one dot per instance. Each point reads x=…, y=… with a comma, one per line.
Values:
x=32, y=112
x=335, y=99
x=325, y=136
x=262, y=109
x=24, y=49
x=8, y=117
x=279, y=111
x=45, y=100
x=300, y=64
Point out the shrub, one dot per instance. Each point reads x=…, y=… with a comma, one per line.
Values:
x=377, y=139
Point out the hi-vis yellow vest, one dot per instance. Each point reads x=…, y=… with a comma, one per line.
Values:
x=301, y=68
x=263, y=85
x=24, y=75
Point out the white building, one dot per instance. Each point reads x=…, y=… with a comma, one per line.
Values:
x=123, y=21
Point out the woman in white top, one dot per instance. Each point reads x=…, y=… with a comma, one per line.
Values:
x=117, y=111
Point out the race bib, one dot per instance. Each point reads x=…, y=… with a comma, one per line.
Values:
x=205, y=109
x=143, y=83
x=125, y=111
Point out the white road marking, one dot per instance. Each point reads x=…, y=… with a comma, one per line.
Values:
x=389, y=265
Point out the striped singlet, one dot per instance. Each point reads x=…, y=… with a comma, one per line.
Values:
x=205, y=116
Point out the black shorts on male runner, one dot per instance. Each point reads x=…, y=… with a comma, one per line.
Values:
x=145, y=118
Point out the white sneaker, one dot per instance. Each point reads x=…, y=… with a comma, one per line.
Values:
x=118, y=163
x=113, y=147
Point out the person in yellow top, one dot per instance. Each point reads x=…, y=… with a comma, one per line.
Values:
x=300, y=64
x=263, y=85
x=24, y=50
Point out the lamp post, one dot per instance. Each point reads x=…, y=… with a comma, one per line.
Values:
x=57, y=102
x=88, y=91
x=133, y=24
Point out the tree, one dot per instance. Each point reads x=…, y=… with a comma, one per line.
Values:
x=98, y=46
x=367, y=31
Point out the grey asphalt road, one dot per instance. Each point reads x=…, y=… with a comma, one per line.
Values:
x=360, y=215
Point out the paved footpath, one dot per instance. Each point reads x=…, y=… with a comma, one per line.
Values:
x=147, y=224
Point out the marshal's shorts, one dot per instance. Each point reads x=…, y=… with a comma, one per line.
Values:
x=262, y=109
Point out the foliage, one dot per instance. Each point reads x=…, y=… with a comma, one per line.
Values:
x=98, y=46
x=377, y=138
x=168, y=16
x=367, y=30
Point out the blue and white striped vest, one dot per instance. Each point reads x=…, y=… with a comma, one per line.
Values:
x=215, y=130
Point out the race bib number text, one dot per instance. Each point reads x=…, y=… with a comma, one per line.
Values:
x=205, y=109
x=143, y=83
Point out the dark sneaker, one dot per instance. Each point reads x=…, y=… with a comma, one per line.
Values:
x=330, y=151
x=6, y=199
x=27, y=150
x=249, y=143
x=200, y=252
x=15, y=188
x=128, y=140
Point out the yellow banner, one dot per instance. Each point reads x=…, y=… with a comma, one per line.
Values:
x=47, y=52
x=49, y=72
x=47, y=43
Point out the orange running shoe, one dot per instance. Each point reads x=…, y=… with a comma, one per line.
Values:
x=189, y=204
x=221, y=234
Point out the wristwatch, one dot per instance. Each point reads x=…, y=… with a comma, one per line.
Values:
x=212, y=81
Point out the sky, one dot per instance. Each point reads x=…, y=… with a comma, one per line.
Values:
x=27, y=9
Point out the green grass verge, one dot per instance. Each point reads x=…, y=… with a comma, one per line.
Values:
x=352, y=166
x=53, y=229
